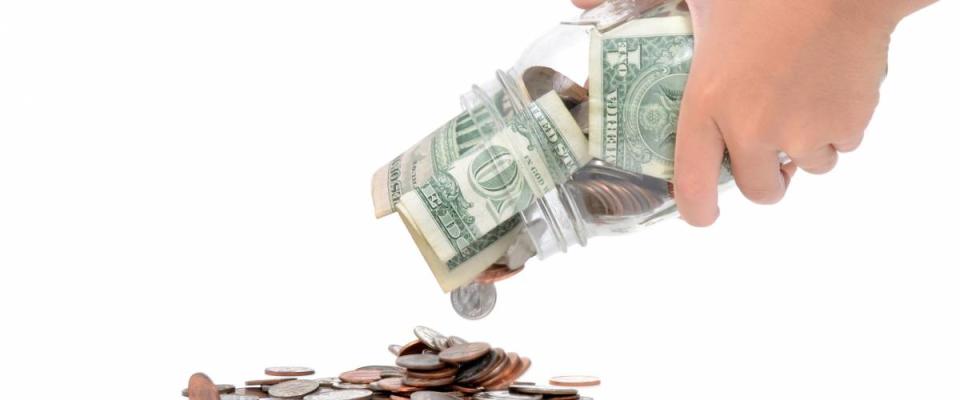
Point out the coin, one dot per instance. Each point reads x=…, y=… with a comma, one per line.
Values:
x=502, y=361
x=440, y=373
x=360, y=376
x=396, y=385
x=200, y=387
x=427, y=383
x=475, y=300
x=497, y=273
x=395, y=349
x=288, y=371
x=505, y=395
x=470, y=373
x=354, y=394
x=464, y=352
x=222, y=389
x=575, y=381
x=414, y=347
x=428, y=395
x=545, y=390
x=328, y=382
x=433, y=339
x=349, y=386
x=238, y=397
x=455, y=340
x=272, y=381
x=420, y=362
x=250, y=391
x=295, y=388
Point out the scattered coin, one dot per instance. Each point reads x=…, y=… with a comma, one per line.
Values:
x=201, y=387
x=463, y=353
x=433, y=339
x=428, y=395
x=288, y=371
x=475, y=300
x=222, y=389
x=420, y=362
x=575, y=381
x=272, y=381
x=354, y=394
x=360, y=376
x=455, y=340
x=238, y=397
x=505, y=395
x=395, y=349
x=544, y=390
x=295, y=388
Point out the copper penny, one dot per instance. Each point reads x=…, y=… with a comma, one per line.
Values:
x=575, y=381
x=396, y=385
x=427, y=383
x=269, y=381
x=500, y=381
x=288, y=371
x=200, y=387
x=420, y=362
x=463, y=353
x=414, y=347
x=497, y=369
x=360, y=376
x=428, y=395
x=473, y=372
x=440, y=373
x=497, y=273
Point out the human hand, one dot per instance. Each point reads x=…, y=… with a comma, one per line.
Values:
x=799, y=77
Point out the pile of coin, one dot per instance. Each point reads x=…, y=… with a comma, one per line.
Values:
x=432, y=367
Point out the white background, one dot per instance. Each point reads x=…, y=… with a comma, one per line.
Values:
x=184, y=186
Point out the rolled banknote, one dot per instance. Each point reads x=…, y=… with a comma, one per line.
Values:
x=436, y=152
x=638, y=72
x=465, y=218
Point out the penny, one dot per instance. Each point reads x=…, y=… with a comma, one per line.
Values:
x=474, y=371
x=295, y=388
x=354, y=394
x=420, y=362
x=414, y=347
x=464, y=352
x=440, y=373
x=396, y=385
x=497, y=273
x=502, y=363
x=427, y=383
x=222, y=389
x=288, y=371
x=360, y=376
x=271, y=381
x=475, y=300
x=575, y=381
x=544, y=390
x=428, y=395
x=510, y=374
x=380, y=368
x=433, y=339
x=200, y=387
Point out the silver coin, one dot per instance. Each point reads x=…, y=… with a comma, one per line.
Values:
x=295, y=388
x=354, y=394
x=474, y=301
x=430, y=337
x=505, y=395
x=238, y=397
x=395, y=349
x=349, y=386
x=328, y=382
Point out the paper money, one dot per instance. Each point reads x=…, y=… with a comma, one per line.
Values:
x=464, y=219
x=435, y=153
x=638, y=72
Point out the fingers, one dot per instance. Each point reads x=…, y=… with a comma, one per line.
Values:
x=819, y=161
x=758, y=173
x=585, y=4
x=699, y=153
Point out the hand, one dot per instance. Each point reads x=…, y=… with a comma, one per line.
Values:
x=769, y=76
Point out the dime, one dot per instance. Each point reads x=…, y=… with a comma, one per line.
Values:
x=464, y=352
x=271, y=381
x=355, y=394
x=295, y=388
x=222, y=389
x=288, y=371
x=475, y=300
x=433, y=339
x=420, y=362
x=395, y=349
x=545, y=390
x=575, y=381
x=428, y=395
x=200, y=387
x=361, y=376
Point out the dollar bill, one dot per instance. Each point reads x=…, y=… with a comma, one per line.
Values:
x=638, y=72
x=436, y=153
x=465, y=218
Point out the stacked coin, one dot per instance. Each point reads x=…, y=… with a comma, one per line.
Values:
x=433, y=366
x=609, y=193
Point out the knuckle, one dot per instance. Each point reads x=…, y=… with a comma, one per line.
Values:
x=762, y=195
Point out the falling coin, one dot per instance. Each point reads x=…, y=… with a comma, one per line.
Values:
x=575, y=381
x=474, y=301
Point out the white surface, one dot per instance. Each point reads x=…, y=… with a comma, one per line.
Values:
x=184, y=187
